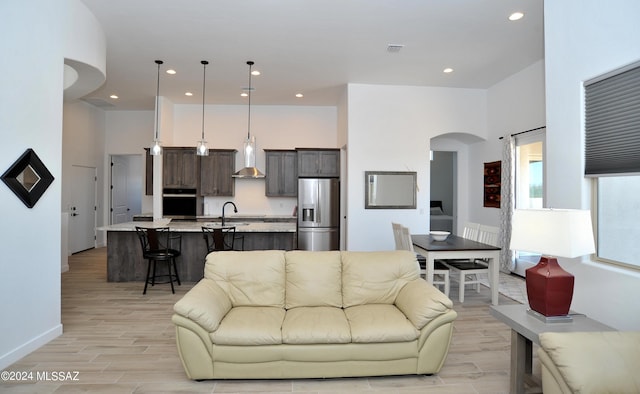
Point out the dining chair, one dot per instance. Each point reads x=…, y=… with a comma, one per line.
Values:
x=219, y=238
x=402, y=238
x=159, y=244
x=467, y=272
x=471, y=231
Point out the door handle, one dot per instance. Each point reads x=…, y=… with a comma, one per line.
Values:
x=75, y=214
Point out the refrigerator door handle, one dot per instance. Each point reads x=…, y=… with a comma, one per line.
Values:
x=317, y=213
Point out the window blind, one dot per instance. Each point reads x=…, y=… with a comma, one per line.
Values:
x=612, y=124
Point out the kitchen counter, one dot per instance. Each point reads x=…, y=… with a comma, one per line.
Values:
x=124, y=253
x=146, y=217
x=193, y=226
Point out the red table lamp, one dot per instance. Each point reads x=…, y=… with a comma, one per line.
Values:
x=551, y=232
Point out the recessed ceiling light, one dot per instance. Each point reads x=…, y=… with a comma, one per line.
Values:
x=244, y=94
x=447, y=70
x=394, y=48
x=299, y=95
x=114, y=96
x=255, y=72
x=188, y=94
x=516, y=16
x=171, y=71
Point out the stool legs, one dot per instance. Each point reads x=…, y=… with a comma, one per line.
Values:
x=146, y=281
x=170, y=276
x=175, y=269
x=151, y=274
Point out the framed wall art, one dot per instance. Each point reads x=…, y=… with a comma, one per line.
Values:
x=28, y=178
x=492, y=182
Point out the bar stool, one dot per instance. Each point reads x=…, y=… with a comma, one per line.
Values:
x=219, y=238
x=159, y=245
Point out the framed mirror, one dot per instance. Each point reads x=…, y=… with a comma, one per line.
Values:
x=390, y=190
x=28, y=178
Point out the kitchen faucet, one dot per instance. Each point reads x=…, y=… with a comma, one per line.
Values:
x=235, y=209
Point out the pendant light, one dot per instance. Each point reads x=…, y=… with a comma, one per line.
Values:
x=202, y=149
x=250, y=170
x=156, y=148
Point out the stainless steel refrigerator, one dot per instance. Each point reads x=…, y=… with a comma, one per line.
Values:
x=318, y=214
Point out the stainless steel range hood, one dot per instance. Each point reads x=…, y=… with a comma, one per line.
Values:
x=248, y=172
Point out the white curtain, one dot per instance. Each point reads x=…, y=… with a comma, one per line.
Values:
x=507, y=203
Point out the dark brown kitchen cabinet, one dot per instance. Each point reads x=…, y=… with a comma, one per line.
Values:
x=216, y=172
x=179, y=168
x=281, y=173
x=322, y=163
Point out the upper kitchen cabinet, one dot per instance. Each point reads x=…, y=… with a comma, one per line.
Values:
x=321, y=163
x=179, y=168
x=281, y=173
x=216, y=172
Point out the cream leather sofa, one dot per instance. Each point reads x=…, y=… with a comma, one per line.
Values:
x=301, y=314
x=590, y=362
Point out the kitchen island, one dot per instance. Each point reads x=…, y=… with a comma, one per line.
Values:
x=124, y=254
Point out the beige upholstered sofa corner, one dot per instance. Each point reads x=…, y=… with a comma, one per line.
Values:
x=301, y=314
x=590, y=362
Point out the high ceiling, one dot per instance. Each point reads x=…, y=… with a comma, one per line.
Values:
x=313, y=47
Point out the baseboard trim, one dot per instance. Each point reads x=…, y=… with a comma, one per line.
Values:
x=34, y=344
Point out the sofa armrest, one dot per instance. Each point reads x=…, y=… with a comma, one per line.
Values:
x=421, y=302
x=206, y=304
x=592, y=362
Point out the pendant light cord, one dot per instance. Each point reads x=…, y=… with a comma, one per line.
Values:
x=204, y=76
x=158, y=62
x=250, y=63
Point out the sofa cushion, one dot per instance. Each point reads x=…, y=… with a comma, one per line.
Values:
x=374, y=323
x=376, y=277
x=255, y=325
x=313, y=279
x=253, y=278
x=312, y=325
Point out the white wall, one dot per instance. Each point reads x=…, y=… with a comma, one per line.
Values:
x=583, y=39
x=390, y=128
x=31, y=101
x=515, y=104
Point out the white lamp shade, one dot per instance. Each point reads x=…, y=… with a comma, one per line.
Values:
x=553, y=232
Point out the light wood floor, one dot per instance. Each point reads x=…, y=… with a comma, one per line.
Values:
x=120, y=341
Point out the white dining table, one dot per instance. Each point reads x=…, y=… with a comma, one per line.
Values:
x=455, y=247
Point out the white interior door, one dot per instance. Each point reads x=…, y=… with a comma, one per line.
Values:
x=119, y=204
x=82, y=212
x=126, y=187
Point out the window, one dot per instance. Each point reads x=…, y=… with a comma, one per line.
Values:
x=529, y=181
x=529, y=174
x=618, y=220
x=612, y=157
